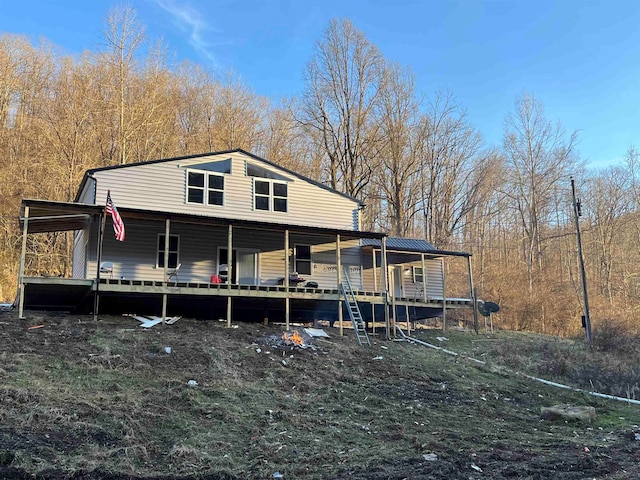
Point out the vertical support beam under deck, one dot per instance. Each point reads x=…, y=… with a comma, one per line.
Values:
x=230, y=268
x=373, y=318
x=406, y=312
x=23, y=254
x=339, y=282
x=287, y=300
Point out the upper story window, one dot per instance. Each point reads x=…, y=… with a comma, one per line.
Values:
x=205, y=188
x=270, y=195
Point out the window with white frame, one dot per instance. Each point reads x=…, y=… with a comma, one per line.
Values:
x=302, y=259
x=174, y=248
x=205, y=188
x=270, y=195
x=418, y=275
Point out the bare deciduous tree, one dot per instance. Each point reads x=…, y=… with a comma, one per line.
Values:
x=451, y=156
x=399, y=159
x=123, y=35
x=343, y=83
x=539, y=156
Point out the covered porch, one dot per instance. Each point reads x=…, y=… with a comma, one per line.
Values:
x=140, y=273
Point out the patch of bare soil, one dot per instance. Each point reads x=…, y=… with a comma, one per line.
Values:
x=81, y=399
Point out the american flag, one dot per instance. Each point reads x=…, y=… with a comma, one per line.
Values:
x=118, y=224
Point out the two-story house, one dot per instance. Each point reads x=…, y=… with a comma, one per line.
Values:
x=224, y=235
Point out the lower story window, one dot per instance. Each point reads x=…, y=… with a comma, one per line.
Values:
x=303, y=259
x=174, y=244
x=418, y=275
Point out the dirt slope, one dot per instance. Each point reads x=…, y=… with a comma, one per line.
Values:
x=81, y=399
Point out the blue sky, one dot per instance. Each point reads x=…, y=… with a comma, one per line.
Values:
x=580, y=58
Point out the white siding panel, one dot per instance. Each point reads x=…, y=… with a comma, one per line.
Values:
x=434, y=280
x=161, y=186
x=271, y=260
x=412, y=290
x=88, y=192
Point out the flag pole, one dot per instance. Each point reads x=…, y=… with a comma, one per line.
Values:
x=96, y=298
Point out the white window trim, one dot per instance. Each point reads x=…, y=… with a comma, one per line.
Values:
x=205, y=189
x=271, y=195
x=416, y=275
x=166, y=244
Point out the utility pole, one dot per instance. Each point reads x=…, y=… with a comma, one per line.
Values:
x=577, y=213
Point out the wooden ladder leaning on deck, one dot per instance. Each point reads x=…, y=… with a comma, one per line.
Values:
x=354, y=311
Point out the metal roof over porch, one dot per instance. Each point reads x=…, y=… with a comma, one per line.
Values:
x=51, y=216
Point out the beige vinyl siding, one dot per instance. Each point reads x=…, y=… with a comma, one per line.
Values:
x=79, y=254
x=410, y=289
x=136, y=257
x=323, y=256
x=162, y=186
x=433, y=276
x=271, y=260
x=323, y=259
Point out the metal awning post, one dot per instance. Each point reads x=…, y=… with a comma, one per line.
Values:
x=424, y=278
x=473, y=296
x=444, y=295
x=375, y=269
x=230, y=268
x=287, y=301
x=385, y=286
x=167, y=232
x=339, y=282
x=96, y=297
x=23, y=254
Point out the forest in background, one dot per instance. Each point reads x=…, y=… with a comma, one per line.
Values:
x=361, y=125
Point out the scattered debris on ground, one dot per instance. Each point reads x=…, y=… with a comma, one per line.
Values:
x=84, y=399
x=568, y=413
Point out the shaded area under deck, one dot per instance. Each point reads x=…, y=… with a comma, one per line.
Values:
x=209, y=301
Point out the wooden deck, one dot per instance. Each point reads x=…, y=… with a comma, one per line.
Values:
x=61, y=293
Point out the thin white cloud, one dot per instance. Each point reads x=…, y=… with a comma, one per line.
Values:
x=192, y=21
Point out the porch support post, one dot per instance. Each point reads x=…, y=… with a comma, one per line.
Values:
x=339, y=280
x=287, y=301
x=394, y=306
x=167, y=231
x=385, y=286
x=96, y=296
x=424, y=279
x=373, y=318
x=375, y=273
x=406, y=312
x=23, y=254
x=444, y=296
x=230, y=268
x=473, y=296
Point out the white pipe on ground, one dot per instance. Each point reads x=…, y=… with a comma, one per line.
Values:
x=541, y=380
